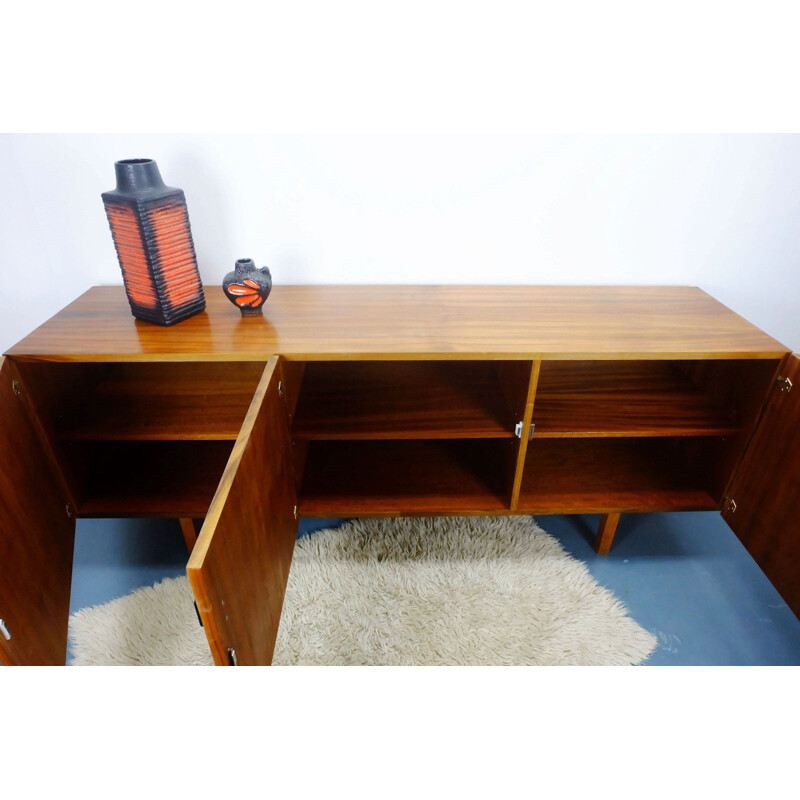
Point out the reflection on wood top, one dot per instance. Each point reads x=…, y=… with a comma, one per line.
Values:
x=417, y=322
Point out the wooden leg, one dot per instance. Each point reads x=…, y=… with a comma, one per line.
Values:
x=190, y=528
x=605, y=534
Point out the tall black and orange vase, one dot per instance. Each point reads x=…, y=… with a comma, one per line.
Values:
x=150, y=226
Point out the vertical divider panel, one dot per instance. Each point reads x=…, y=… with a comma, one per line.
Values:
x=523, y=439
x=292, y=374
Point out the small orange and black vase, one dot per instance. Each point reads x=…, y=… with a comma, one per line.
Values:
x=150, y=226
x=248, y=286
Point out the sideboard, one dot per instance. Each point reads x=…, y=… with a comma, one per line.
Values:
x=346, y=401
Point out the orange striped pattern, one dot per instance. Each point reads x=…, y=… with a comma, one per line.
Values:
x=132, y=254
x=174, y=255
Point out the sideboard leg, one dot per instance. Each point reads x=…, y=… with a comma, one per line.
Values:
x=189, y=528
x=605, y=534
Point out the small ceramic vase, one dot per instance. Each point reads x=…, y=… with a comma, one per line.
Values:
x=248, y=286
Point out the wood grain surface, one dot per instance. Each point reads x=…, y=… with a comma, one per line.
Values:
x=402, y=400
x=163, y=401
x=37, y=534
x=391, y=478
x=240, y=565
x=584, y=476
x=531, y=385
x=605, y=533
x=766, y=491
x=424, y=322
x=628, y=398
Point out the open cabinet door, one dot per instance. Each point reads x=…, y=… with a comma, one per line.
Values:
x=763, y=504
x=37, y=536
x=240, y=564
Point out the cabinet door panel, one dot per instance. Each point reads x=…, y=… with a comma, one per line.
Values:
x=765, y=513
x=37, y=536
x=240, y=564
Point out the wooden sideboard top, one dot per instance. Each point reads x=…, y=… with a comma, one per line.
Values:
x=416, y=322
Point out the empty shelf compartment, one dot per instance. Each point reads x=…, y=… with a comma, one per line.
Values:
x=182, y=401
x=374, y=478
x=408, y=400
x=599, y=475
x=156, y=479
x=626, y=398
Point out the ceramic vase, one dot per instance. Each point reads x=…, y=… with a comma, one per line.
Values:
x=248, y=286
x=150, y=226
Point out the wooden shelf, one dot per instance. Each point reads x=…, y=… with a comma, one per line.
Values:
x=402, y=400
x=578, y=399
x=151, y=479
x=602, y=475
x=164, y=402
x=367, y=478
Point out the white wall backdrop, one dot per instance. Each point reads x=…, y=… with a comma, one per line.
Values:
x=721, y=212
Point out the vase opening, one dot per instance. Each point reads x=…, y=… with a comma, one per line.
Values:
x=138, y=175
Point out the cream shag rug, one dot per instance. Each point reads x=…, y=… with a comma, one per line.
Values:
x=444, y=590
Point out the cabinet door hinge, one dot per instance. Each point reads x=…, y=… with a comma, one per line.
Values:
x=784, y=384
x=729, y=504
x=518, y=430
x=232, y=660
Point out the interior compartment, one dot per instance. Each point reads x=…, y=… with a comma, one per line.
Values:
x=136, y=439
x=610, y=474
x=400, y=437
x=132, y=401
x=406, y=437
x=410, y=399
x=169, y=479
x=164, y=402
x=374, y=478
x=437, y=437
x=648, y=398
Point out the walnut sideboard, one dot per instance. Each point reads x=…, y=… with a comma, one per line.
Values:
x=346, y=401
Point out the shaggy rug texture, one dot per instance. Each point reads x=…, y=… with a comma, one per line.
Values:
x=444, y=590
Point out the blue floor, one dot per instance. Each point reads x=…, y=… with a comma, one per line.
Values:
x=685, y=577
